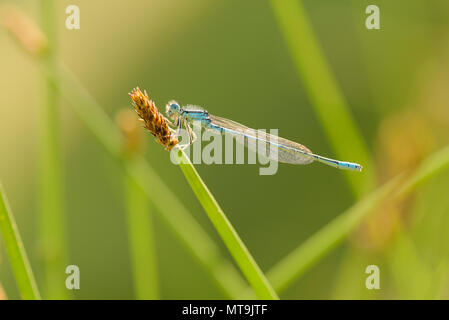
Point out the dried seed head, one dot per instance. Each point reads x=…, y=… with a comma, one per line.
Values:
x=132, y=131
x=24, y=30
x=153, y=120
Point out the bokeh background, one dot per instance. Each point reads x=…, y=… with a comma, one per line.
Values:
x=231, y=58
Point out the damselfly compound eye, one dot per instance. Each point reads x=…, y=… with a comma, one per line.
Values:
x=172, y=109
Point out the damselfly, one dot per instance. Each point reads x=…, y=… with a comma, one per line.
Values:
x=286, y=151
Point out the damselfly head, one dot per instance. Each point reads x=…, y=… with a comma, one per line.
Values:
x=172, y=109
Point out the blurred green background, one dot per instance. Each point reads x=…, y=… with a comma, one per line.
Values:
x=231, y=58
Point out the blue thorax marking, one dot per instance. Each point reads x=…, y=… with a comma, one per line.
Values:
x=195, y=114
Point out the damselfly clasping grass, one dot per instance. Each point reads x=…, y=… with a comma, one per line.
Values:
x=285, y=150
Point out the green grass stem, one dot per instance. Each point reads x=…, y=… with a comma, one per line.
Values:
x=141, y=240
x=232, y=240
x=197, y=241
x=52, y=223
x=290, y=268
x=324, y=93
x=16, y=252
x=296, y=263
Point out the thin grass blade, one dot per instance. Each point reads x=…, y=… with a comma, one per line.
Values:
x=16, y=252
x=232, y=240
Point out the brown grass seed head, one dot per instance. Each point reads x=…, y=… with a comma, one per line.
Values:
x=153, y=120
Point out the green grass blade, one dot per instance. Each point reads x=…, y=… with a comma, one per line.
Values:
x=141, y=239
x=235, y=245
x=317, y=246
x=302, y=258
x=323, y=91
x=16, y=252
x=51, y=219
x=186, y=228
x=431, y=166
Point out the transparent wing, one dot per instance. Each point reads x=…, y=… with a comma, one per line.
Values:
x=272, y=147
